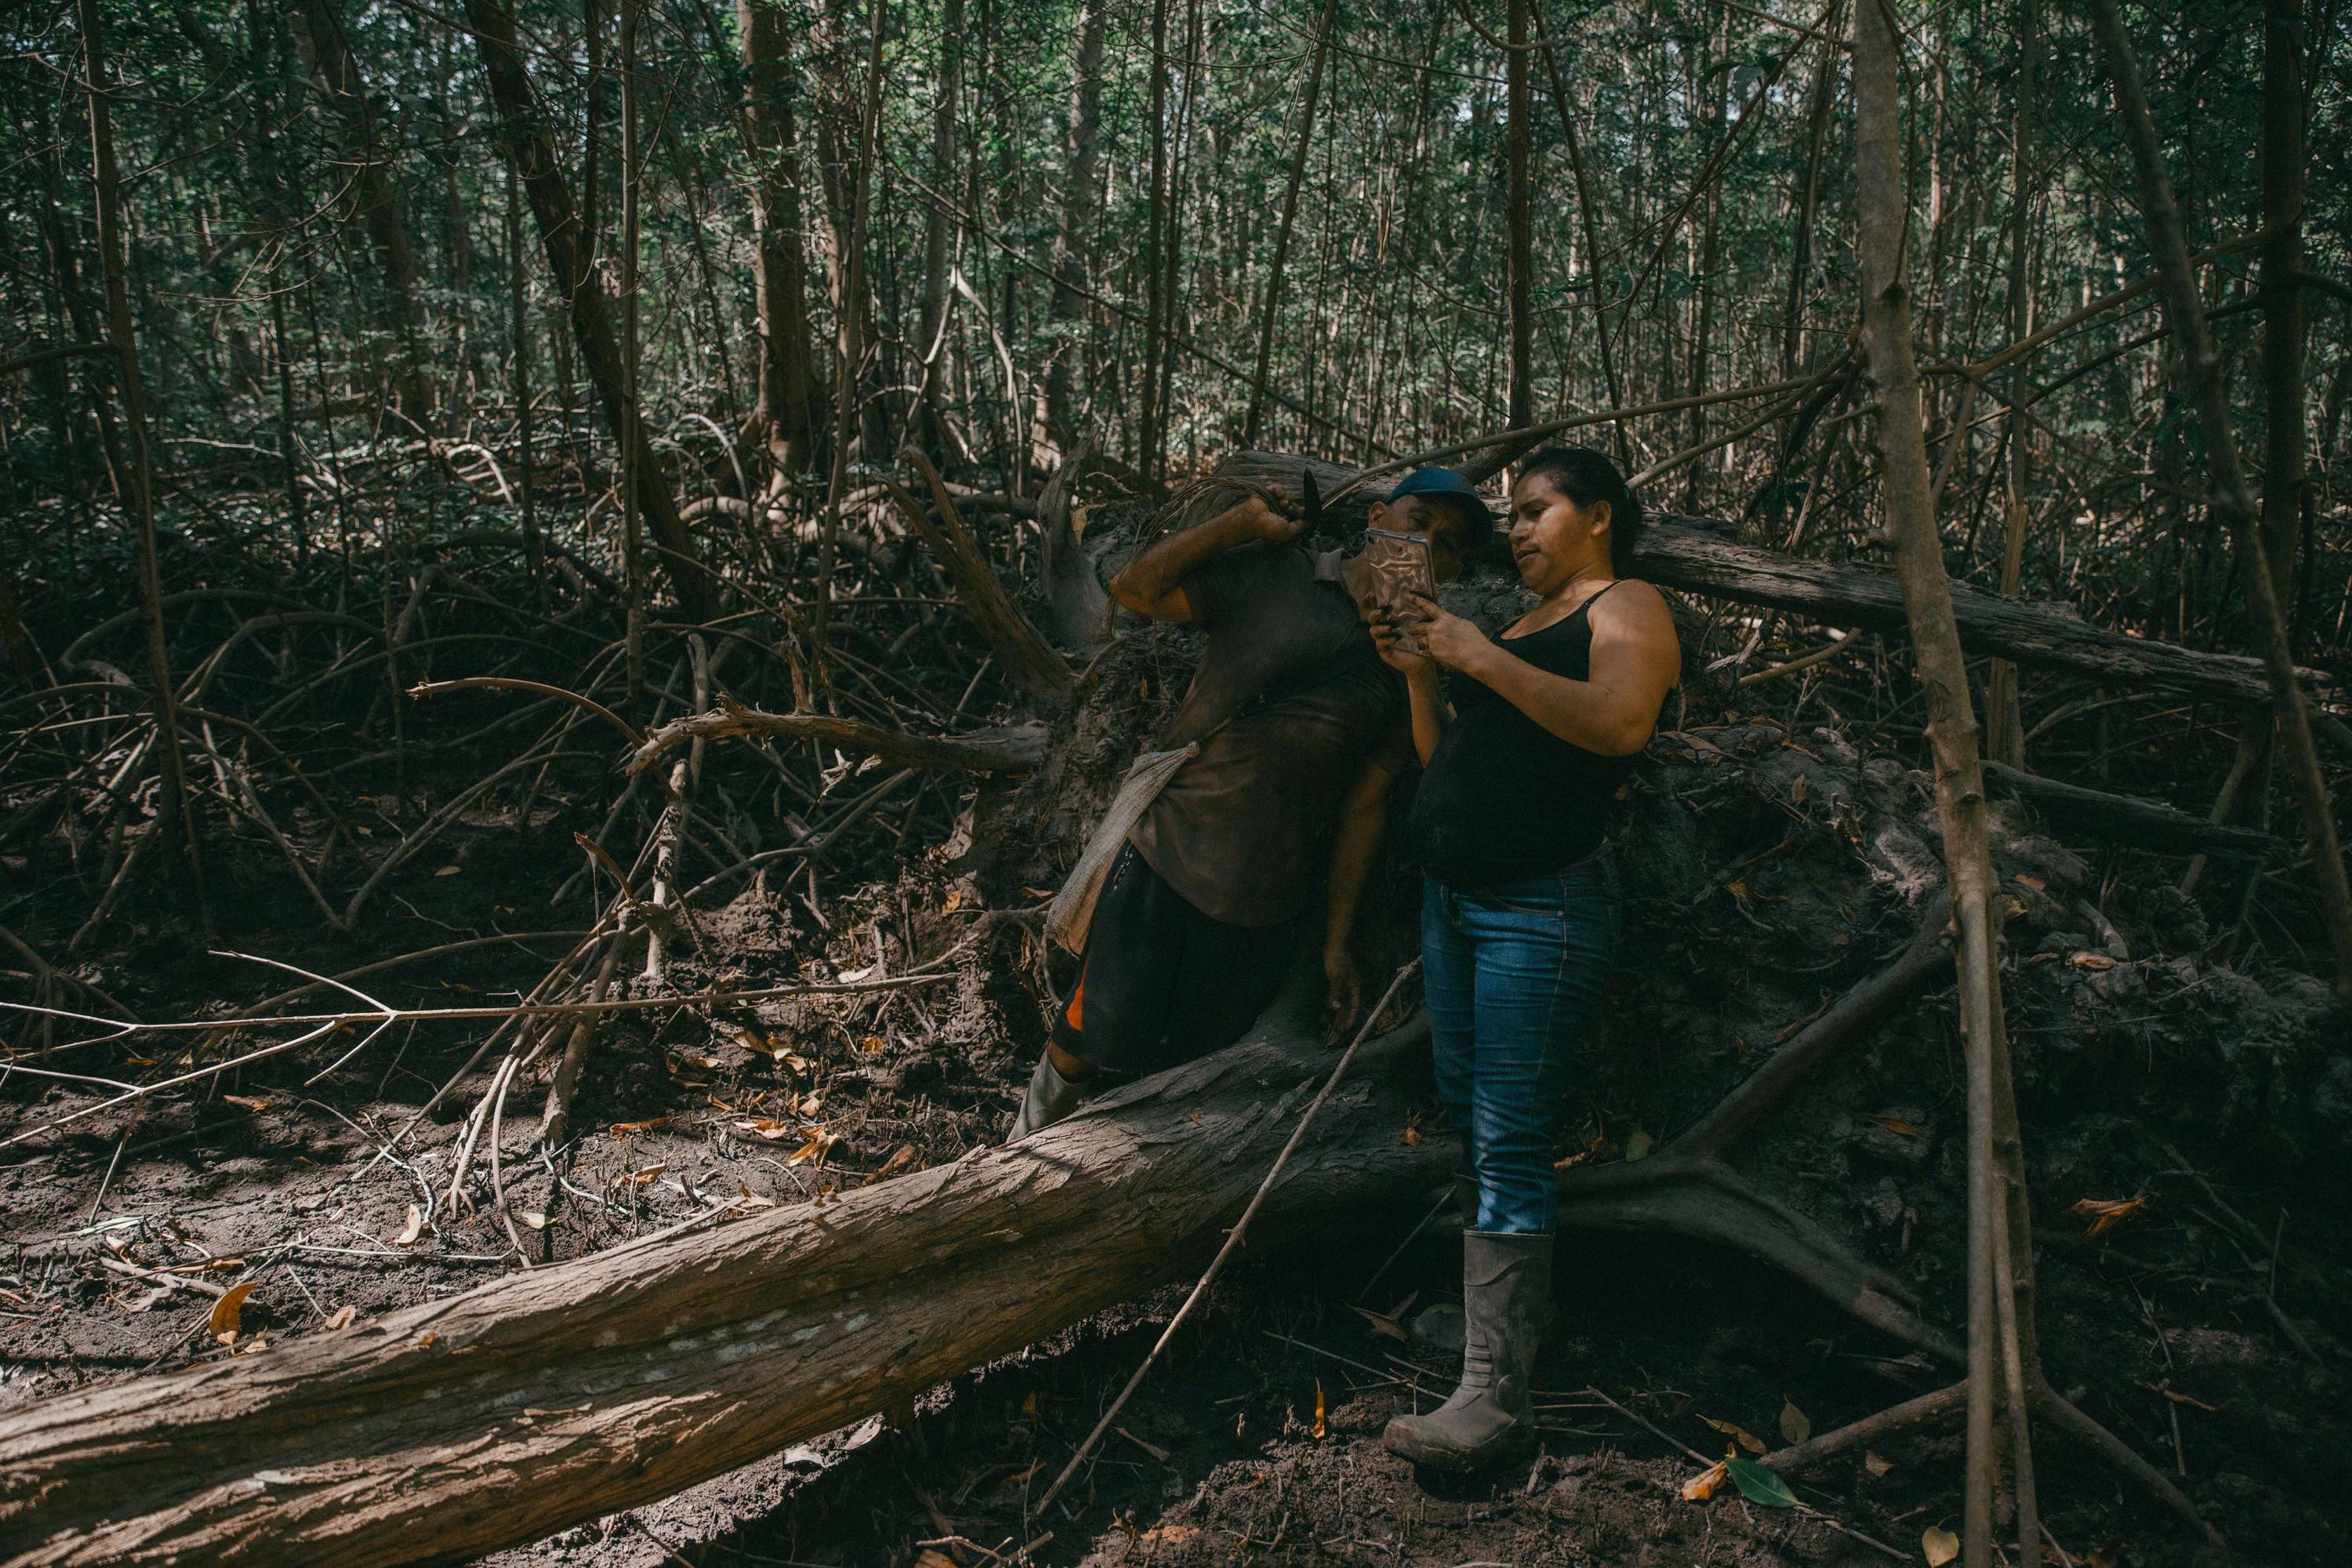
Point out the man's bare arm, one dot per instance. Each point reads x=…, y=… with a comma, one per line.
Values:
x=1153, y=583
x=1361, y=821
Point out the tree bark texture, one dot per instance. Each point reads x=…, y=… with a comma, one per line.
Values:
x=2202, y=379
x=934, y=342
x=788, y=398
x=1074, y=249
x=460, y=1426
x=1519, y=262
x=337, y=70
x=173, y=822
x=1269, y=307
x=1995, y=1366
x=532, y=148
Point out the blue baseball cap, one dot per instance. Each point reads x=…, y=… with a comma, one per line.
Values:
x=1451, y=483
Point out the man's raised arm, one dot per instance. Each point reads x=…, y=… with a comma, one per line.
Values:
x=1153, y=583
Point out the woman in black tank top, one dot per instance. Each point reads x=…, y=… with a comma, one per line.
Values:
x=1521, y=912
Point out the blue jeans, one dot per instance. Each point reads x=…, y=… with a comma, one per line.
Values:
x=1513, y=976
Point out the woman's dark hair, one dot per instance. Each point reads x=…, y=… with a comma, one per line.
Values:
x=1586, y=477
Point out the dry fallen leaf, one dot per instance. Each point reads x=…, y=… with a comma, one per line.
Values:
x=1873, y=1464
x=2089, y=960
x=1029, y=1408
x=227, y=1311
x=413, y=1229
x=766, y=1127
x=1381, y=1325
x=852, y=977
x=344, y=1316
x=1702, y=1486
x=644, y=1178
x=1320, y=1430
x=1893, y=1124
x=1795, y=1425
x=253, y=1102
x=532, y=1218
x=900, y=1158
x=1938, y=1545
x=629, y=1129
x=2105, y=1213
x=820, y=1143
x=1410, y=1136
x=2022, y=880
x=933, y=1557
x=447, y=871
x=1746, y=1439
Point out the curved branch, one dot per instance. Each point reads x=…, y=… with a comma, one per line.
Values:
x=1010, y=749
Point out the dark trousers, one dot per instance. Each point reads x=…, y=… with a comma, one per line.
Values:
x=1160, y=983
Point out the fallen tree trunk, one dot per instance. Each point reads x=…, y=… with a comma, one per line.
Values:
x=636, y=1373
x=460, y=1426
x=1689, y=554
x=2123, y=819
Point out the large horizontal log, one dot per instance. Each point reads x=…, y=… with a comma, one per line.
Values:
x=1693, y=556
x=548, y=1397
x=1681, y=552
x=2123, y=819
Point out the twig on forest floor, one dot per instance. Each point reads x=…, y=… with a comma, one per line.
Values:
x=1232, y=1238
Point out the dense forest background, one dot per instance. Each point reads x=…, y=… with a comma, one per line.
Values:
x=1174, y=228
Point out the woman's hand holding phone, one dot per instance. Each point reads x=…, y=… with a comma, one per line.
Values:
x=1446, y=637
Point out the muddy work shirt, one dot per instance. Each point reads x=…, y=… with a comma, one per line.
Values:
x=1244, y=830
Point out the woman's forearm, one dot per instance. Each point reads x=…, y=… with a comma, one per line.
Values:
x=1591, y=714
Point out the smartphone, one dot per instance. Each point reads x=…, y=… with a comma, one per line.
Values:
x=1388, y=571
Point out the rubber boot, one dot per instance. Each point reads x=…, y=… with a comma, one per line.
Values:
x=1506, y=1287
x=1051, y=1097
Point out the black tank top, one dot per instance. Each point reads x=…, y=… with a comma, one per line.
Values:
x=1505, y=799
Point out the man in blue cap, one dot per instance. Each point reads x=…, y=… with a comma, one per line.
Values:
x=1302, y=730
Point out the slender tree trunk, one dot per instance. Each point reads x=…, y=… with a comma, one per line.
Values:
x=1519, y=257
x=2232, y=504
x=1155, y=231
x=1177, y=324
x=297, y=515
x=175, y=823
x=1269, y=309
x=2281, y=294
x=2003, y=720
x=337, y=70
x=851, y=341
x=531, y=149
x=787, y=419
x=1801, y=264
x=935, y=341
x=517, y=301
x=633, y=544
x=1596, y=279
x=1074, y=251
x=1995, y=1356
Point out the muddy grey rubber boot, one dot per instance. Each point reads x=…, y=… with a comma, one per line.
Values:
x=1051, y=1097
x=1505, y=1294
